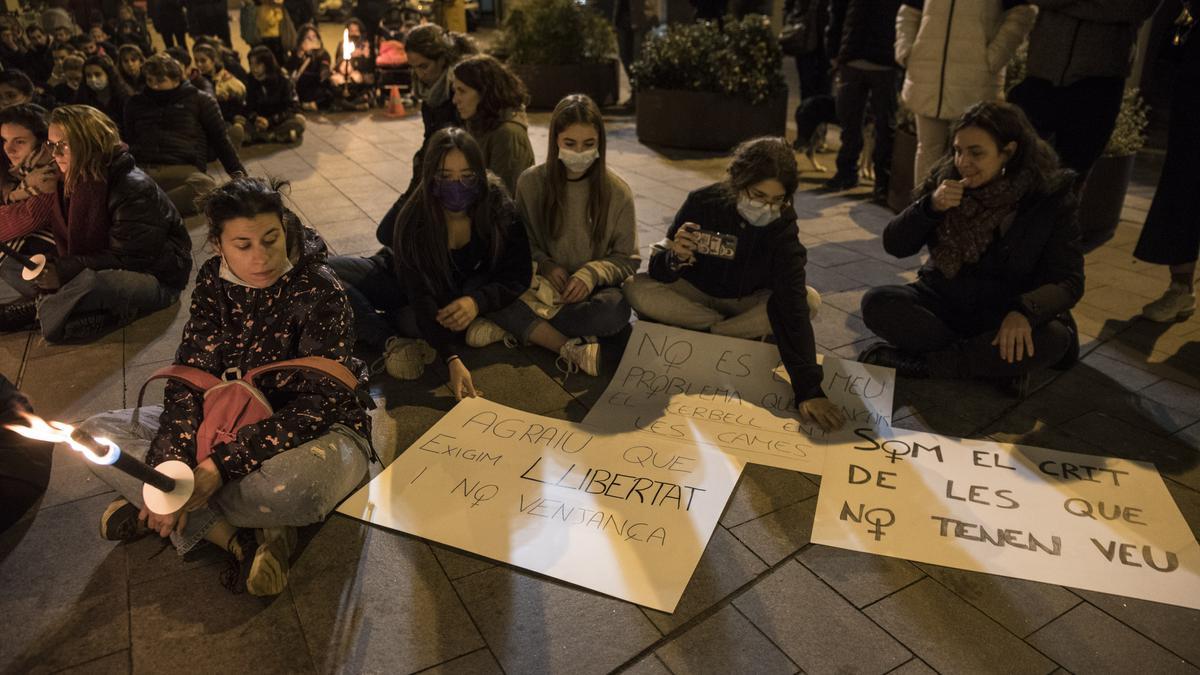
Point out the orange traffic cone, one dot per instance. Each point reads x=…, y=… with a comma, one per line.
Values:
x=395, y=106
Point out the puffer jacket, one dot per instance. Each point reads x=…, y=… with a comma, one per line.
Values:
x=145, y=234
x=956, y=51
x=273, y=99
x=1074, y=39
x=180, y=126
x=304, y=313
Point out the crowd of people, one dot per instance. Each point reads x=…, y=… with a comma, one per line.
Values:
x=105, y=159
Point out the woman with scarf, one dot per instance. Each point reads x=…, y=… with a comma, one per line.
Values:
x=267, y=296
x=27, y=186
x=1005, y=265
x=732, y=264
x=121, y=248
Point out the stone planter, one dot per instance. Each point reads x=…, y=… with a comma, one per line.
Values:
x=904, y=154
x=699, y=120
x=548, y=84
x=1103, y=198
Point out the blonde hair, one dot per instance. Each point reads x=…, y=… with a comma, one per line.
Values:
x=93, y=139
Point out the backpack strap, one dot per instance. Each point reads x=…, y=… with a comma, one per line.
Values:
x=197, y=379
x=313, y=364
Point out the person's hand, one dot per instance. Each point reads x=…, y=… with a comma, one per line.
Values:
x=554, y=273
x=823, y=413
x=948, y=195
x=575, y=291
x=261, y=123
x=1015, y=338
x=459, y=314
x=163, y=525
x=48, y=280
x=683, y=246
x=460, y=380
x=207, y=481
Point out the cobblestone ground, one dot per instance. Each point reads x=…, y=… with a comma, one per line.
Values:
x=763, y=599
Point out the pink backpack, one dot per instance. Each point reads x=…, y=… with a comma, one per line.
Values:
x=232, y=401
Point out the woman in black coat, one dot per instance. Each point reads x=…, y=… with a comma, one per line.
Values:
x=1005, y=264
x=1171, y=235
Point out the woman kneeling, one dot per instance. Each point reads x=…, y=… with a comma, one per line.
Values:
x=267, y=297
x=1005, y=265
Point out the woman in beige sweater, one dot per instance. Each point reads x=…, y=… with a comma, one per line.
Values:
x=583, y=235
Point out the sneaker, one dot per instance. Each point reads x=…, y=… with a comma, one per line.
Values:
x=906, y=365
x=483, y=332
x=1177, y=304
x=268, y=569
x=405, y=358
x=579, y=354
x=119, y=522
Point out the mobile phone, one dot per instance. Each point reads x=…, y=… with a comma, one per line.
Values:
x=716, y=244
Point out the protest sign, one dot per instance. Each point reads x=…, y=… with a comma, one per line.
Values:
x=620, y=514
x=1096, y=523
x=732, y=394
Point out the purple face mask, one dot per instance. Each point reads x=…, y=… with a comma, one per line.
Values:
x=456, y=196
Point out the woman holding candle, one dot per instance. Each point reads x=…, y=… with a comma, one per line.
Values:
x=309, y=66
x=353, y=76
x=267, y=296
x=27, y=186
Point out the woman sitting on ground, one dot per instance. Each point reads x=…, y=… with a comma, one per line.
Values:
x=1005, y=265
x=122, y=249
x=103, y=89
x=129, y=64
x=460, y=253
x=353, y=78
x=309, y=67
x=581, y=223
x=491, y=102
x=267, y=296
x=229, y=91
x=28, y=184
x=732, y=264
x=272, y=110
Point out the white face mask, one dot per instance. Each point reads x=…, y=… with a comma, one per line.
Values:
x=578, y=162
x=97, y=83
x=758, y=214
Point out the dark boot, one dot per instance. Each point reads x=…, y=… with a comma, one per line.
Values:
x=18, y=315
x=906, y=364
x=88, y=325
x=1072, y=356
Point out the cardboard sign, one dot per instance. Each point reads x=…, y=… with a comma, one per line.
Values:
x=1096, y=523
x=732, y=394
x=620, y=514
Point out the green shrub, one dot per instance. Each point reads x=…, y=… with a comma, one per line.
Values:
x=543, y=32
x=743, y=60
x=1129, y=134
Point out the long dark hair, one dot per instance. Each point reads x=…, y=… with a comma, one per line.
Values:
x=1005, y=123
x=498, y=88
x=28, y=115
x=421, y=239
x=116, y=82
x=577, y=109
x=759, y=159
x=438, y=44
x=265, y=56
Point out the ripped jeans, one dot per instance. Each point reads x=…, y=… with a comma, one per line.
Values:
x=297, y=487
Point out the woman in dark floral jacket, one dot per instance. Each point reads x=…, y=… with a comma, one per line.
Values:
x=267, y=297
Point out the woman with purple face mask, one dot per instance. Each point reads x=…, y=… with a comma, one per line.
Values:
x=461, y=253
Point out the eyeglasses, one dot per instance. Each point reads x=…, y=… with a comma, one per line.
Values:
x=59, y=148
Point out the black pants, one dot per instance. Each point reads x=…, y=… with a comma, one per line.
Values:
x=1077, y=118
x=813, y=71
x=175, y=36
x=855, y=86
x=956, y=344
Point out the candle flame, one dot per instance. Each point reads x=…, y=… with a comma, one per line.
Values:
x=60, y=432
x=347, y=46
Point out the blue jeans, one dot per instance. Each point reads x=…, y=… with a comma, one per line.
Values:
x=602, y=314
x=123, y=294
x=320, y=474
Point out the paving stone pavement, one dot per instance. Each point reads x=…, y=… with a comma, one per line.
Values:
x=763, y=598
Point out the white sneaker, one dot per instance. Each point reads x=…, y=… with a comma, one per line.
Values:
x=483, y=332
x=1177, y=304
x=579, y=354
x=405, y=358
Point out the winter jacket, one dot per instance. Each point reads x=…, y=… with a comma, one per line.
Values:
x=506, y=148
x=862, y=30
x=492, y=288
x=230, y=93
x=1036, y=267
x=273, y=98
x=311, y=72
x=180, y=126
x=115, y=108
x=145, y=234
x=1074, y=39
x=956, y=51
x=769, y=257
x=304, y=313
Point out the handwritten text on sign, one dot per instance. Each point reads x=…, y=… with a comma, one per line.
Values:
x=1095, y=523
x=619, y=514
x=734, y=394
